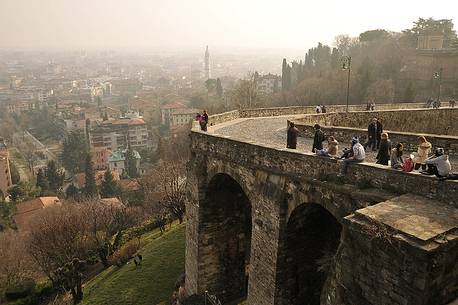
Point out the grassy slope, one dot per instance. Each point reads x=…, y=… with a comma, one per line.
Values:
x=152, y=283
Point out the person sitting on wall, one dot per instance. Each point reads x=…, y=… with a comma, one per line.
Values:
x=358, y=155
x=383, y=155
x=318, y=138
x=439, y=164
x=396, y=156
x=291, y=136
x=424, y=149
x=331, y=150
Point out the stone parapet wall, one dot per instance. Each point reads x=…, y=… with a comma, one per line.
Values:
x=419, y=121
x=410, y=140
x=293, y=110
x=297, y=164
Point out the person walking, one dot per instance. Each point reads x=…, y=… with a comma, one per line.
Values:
x=424, y=149
x=318, y=138
x=358, y=155
x=291, y=136
x=384, y=151
x=396, y=156
x=374, y=132
x=331, y=150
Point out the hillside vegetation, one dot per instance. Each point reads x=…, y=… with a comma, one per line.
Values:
x=151, y=283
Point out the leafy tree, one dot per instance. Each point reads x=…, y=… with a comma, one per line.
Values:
x=22, y=191
x=432, y=26
x=109, y=187
x=131, y=163
x=15, y=176
x=90, y=187
x=54, y=176
x=42, y=181
x=373, y=35
x=72, y=191
x=74, y=152
x=219, y=88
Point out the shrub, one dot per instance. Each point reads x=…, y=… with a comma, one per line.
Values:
x=125, y=253
x=20, y=290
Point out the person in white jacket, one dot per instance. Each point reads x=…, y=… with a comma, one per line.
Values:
x=441, y=165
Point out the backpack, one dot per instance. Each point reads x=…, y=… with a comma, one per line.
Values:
x=408, y=165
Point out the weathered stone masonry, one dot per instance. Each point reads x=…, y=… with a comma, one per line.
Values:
x=380, y=258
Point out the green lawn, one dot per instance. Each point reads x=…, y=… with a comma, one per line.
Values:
x=149, y=284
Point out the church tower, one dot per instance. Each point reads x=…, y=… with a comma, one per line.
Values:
x=207, y=64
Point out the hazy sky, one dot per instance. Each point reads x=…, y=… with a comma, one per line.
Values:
x=193, y=23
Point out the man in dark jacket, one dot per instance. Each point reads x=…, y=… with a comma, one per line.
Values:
x=374, y=134
x=291, y=136
x=318, y=138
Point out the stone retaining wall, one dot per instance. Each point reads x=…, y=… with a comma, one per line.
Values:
x=292, y=110
x=410, y=140
x=419, y=121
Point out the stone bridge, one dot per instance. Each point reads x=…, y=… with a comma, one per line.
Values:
x=276, y=226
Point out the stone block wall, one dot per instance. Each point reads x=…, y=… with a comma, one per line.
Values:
x=378, y=265
x=410, y=140
x=419, y=121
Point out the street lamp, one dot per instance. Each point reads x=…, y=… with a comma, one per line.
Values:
x=438, y=75
x=346, y=65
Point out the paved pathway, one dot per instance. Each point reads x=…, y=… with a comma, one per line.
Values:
x=271, y=132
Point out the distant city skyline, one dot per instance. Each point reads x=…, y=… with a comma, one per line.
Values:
x=153, y=24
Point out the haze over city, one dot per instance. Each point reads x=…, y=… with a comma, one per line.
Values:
x=236, y=152
x=149, y=24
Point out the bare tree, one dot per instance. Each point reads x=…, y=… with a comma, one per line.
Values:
x=245, y=92
x=165, y=188
x=15, y=263
x=106, y=223
x=57, y=237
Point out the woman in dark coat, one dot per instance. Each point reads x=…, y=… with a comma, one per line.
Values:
x=318, y=139
x=385, y=149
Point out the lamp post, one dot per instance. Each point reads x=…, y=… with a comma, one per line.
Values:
x=438, y=75
x=346, y=65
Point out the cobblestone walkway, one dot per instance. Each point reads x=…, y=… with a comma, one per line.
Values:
x=271, y=132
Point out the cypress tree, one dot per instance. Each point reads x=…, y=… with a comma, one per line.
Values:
x=90, y=187
x=219, y=88
x=131, y=163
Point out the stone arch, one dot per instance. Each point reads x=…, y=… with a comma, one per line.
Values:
x=225, y=230
x=310, y=240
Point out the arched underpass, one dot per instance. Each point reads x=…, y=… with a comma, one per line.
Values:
x=312, y=238
x=226, y=220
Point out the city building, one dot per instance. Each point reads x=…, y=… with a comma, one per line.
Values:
x=117, y=134
x=183, y=116
x=26, y=210
x=99, y=158
x=268, y=84
x=5, y=173
x=168, y=109
x=79, y=180
x=117, y=161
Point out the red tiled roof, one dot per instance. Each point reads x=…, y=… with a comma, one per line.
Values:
x=27, y=209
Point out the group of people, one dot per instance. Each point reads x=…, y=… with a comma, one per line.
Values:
x=437, y=164
x=370, y=106
x=203, y=120
x=320, y=109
